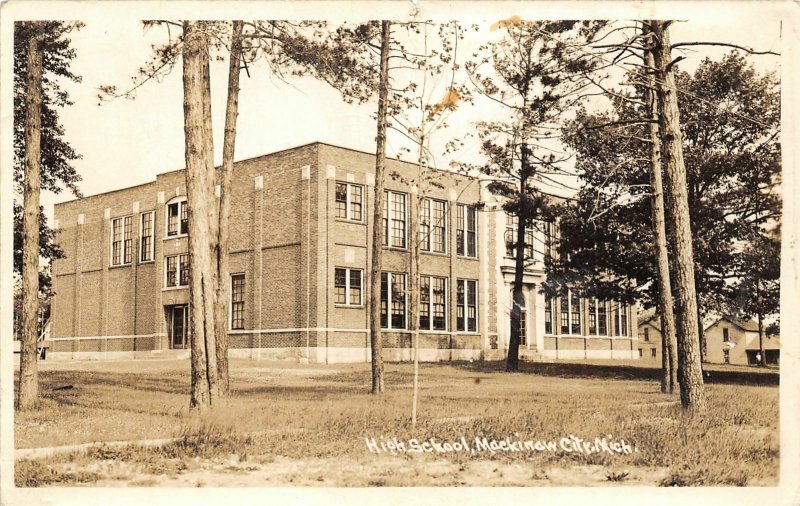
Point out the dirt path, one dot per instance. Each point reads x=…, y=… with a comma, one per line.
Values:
x=374, y=471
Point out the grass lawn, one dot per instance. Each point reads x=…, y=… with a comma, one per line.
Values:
x=289, y=424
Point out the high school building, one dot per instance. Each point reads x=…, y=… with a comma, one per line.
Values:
x=300, y=257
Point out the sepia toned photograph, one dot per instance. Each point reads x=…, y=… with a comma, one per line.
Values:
x=415, y=247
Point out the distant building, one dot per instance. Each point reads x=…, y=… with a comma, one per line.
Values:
x=649, y=345
x=300, y=260
x=733, y=341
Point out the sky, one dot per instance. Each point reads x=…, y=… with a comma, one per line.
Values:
x=127, y=142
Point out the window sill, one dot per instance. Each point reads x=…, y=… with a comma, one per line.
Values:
x=170, y=288
x=435, y=253
x=346, y=220
x=465, y=257
x=395, y=248
x=178, y=236
x=117, y=266
x=349, y=306
x=146, y=262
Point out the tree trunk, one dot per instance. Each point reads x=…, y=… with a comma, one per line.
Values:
x=377, y=221
x=518, y=299
x=202, y=213
x=28, y=386
x=763, y=361
x=690, y=374
x=414, y=298
x=223, y=244
x=664, y=305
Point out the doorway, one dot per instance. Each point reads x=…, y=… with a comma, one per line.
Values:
x=178, y=325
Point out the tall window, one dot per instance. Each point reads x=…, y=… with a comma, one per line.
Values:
x=548, y=314
x=121, y=242
x=466, y=230
x=646, y=334
x=433, y=303
x=394, y=219
x=602, y=318
x=347, y=283
x=393, y=300
x=564, y=313
x=725, y=335
x=623, y=319
x=512, y=223
x=432, y=225
x=593, y=317
x=349, y=201
x=146, y=243
x=176, y=270
x=523, y=318
x=467, y=305
x=726, y=356
x=237, y=301
x=177, y=218
x=575, y=313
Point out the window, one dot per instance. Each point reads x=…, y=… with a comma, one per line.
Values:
x=564, y=312
x=121, y=242
x=393, y=316
x=646, y=334
x=725, y=336
x=602, y=318
x=593, y=317
x=347, y=283
x=177, y=218
x=726, y=356
x=653, y=352
x=512, y=223
x=523, y=317
x=466, y=230
x=623, y=316
x=575, y=313
x=432, y=225
x=349, y=201
x=466, y=305
x=146, y=243
x=176, y=270
x=548, y=314
x=394, y=219
x=640, y=353
x=433, y=303
x=237, y=301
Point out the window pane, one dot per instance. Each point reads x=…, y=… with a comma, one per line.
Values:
x=548, y=314
x=355, y=202
x=425, y=225
x=424, y=302
x=184, y=276
x=460, y=229
x=127, y=246
x=472, y=306
x=355, y=287
x=237, y=301
x=384, y=300
x=398, y=301
x=172, y=219
x=184, y=218
x=438, y=304
x=460, y=305
x=147, y=237
x=339, y=284
x=593, y=316
x=576, y=313
x=172, y=271
x=564, y=315
x=116, y=244
x=438, y=223
x=398, y=220
x=341, y=200
x=472, y=232
x=602, y=317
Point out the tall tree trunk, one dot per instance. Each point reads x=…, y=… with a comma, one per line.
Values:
x=669, y=375
x=223, y=244
x=202, y=212
x=377, y=221
x=414, y=283
x=763, y=361
x=518, y=299
x=690, y=375
x=28, y=386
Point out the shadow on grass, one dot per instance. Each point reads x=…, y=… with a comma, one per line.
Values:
x=620, y=372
